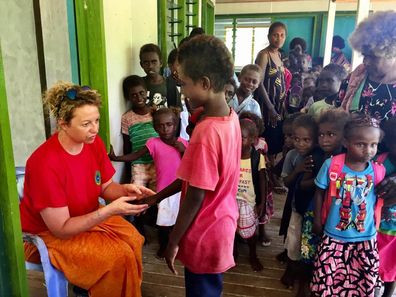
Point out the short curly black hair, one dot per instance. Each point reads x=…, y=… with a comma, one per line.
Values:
x=205, y=55
x=276, y=25
x=338, y=41
x=150, y=48
x=130, y=82
x=172, y=57
x=174, y=111
x=232, y=82
x=337, y=70
x=251, y=67
x=336, y=116
x=308, y=122
x=296, y=41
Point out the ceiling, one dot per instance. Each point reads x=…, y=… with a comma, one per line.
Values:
x=244, y=1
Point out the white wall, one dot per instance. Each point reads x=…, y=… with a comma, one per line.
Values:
x=56, y=41
x=18, y=39
x=22, y=80
x=294, y=6
x=128, y=25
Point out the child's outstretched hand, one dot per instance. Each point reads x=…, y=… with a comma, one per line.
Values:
x=112, y=155
x=180, y=147
x=149, y=200
x=170, y=256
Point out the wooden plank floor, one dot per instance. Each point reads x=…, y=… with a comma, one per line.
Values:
x=240, y=281
x=158, y=281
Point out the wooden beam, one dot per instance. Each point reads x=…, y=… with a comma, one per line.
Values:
x=339, y=1
x=92, y=55
x=362, y=12
x=329, y=31
x=12, y=264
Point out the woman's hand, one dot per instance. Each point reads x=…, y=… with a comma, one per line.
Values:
x=122, y=206
x=387, y=190
x=273, y=117
x=137, y=191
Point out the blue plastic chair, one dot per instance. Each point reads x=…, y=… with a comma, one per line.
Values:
x=55, y=281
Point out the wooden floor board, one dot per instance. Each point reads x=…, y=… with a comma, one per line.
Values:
x=240, y=281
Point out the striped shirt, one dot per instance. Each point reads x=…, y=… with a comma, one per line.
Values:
x=139, y=128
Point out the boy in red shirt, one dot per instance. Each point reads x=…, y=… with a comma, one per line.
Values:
x=203, y=236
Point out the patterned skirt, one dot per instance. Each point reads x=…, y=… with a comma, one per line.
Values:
x=346, y=269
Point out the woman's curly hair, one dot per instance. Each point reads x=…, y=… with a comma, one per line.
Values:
x=62, y=107
x=376, y=35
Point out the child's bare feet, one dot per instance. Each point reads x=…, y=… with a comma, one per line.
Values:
x=255, y=264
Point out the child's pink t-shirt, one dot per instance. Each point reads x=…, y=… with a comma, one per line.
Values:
x=211, y=162
x=166, y=159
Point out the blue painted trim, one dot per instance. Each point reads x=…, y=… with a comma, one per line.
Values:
x=71, y=24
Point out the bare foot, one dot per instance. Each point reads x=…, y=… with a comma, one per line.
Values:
x=255, y=264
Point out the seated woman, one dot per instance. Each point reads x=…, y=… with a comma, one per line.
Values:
x=93, y=246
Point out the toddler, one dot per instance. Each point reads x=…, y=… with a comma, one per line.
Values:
x=251, y=186
x=330, y=135
x=297, y=161
x=346, y=262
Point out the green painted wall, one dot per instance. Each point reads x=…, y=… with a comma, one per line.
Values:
x=207, y=16
x=12, y=263
x=92, y=55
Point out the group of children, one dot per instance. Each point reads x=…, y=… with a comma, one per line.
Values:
x=328, y=220
x=331, y=236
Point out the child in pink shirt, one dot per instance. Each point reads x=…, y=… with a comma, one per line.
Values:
x=202, y=238
x=166, y=151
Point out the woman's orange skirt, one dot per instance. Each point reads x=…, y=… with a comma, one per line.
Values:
x=106, y=260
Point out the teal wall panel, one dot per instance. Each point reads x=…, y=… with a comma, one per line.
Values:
x=344, y=26
x=298, y=27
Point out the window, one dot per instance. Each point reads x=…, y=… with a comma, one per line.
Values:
x=243, y=37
